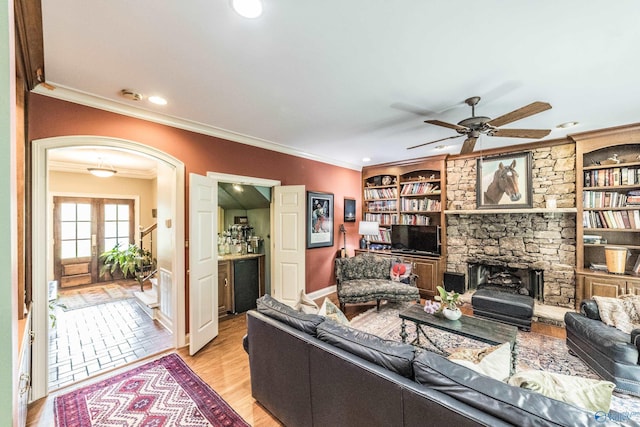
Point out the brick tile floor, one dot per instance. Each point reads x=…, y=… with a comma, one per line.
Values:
x=88, y=341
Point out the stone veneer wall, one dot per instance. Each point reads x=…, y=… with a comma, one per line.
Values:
x=538, y=240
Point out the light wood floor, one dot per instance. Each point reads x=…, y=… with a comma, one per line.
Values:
x=224, y=365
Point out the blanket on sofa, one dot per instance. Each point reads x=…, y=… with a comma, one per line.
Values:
x=622, y=313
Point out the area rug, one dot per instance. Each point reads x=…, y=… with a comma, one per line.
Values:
x=535, y=351
x=73, y=299
x=165, y=392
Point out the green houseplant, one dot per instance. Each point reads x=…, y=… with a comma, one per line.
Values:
x=449, y=301
x=132, y=261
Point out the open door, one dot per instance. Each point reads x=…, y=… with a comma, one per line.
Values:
x=203, y=261
x=289, y=251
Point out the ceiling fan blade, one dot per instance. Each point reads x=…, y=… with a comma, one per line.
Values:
x=520, y=113
x=446, y=125
x=521, y=133
x=468, y=145
x=433, y=142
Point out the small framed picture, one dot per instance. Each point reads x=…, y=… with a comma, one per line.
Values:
x=504, y=182
x=319, y=219
x=349, y=210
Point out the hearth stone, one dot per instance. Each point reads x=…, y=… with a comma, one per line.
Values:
x=506, y=307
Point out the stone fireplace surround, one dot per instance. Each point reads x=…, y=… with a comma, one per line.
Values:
x=530, y=240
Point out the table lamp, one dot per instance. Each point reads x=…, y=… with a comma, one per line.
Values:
x=367, y=229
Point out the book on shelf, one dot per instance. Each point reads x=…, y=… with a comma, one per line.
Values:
x=623, y=219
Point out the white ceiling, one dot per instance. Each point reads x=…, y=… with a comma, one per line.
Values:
x=340, y=80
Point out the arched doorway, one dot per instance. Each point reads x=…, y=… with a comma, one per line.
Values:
x=170, y=176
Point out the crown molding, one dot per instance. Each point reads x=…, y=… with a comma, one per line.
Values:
x=78, y=97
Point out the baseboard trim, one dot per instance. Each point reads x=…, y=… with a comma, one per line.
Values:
x=322, y=292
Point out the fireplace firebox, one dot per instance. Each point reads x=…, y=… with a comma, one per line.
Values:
x=522, y=281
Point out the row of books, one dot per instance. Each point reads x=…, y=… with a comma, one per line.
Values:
x=417, y=205
x=382, y=219
x=380, y=193
x=612, y=219
x=603, y=199
x=382, y=206
x=409, y=219
x=610, y=177
x=420, y=188
x=384, y=236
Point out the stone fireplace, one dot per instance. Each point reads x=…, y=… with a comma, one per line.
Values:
x=535, y=239
x=522, y=281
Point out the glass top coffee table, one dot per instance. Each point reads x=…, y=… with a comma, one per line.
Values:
x=484, y=330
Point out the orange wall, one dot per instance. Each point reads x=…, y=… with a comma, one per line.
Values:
x=49, y=117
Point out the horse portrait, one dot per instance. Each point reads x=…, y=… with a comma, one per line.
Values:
x=505, y=182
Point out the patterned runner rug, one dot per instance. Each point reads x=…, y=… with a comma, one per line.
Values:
x=535, y=351
x=165, y=392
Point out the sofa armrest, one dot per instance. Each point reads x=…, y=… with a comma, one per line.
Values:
x=589, y=308
x=245, y=343
x=635, y=338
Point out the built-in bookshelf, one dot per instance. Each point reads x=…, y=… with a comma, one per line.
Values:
x=608, y=171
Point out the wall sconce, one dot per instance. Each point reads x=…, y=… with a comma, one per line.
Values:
x=101, y=170
x=367, y=229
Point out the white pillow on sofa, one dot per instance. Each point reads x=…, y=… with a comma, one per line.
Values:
x=494, y=362
x=331, y=311
x=306, y=304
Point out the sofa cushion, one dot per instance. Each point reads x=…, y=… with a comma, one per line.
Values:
x=306, y=304
x=376, y=288
x=587, y=393
x=330, y=311
x=511, y=404
x=365, y=266
x=394, y=356
x=494, y=361
x=275, y=309
x=401, y=272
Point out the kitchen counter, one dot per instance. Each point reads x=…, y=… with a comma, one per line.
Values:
x=234, y=257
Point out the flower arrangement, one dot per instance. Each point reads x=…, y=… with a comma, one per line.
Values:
x=431, y=307
x=448, y=299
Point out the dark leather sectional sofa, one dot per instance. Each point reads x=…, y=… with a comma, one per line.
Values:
x=308, y=371
x=613, y=354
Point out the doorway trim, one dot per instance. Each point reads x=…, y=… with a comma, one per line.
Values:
x=41, y=253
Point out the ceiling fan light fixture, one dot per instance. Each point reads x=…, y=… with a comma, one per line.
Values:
x=102, y=171
x=566, y=125
x=247, y=8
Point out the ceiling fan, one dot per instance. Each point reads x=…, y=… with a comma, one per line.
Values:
x=475, y=126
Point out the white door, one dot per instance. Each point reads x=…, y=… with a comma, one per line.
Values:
x=289, y=251
x=203, y=261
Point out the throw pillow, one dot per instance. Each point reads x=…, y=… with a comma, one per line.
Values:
x=306, y=304
x=331, y=311
x=590, y=394
x=494, y=362
x=400, y=272
x=615, y=312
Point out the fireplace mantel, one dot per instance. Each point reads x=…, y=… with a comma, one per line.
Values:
x=509, y=211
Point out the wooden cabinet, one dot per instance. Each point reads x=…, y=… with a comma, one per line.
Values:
x=608, y=178
x=428, y=271
x=225, y=287
x=608, y=286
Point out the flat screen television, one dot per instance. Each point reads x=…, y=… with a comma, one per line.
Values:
x=416, y=238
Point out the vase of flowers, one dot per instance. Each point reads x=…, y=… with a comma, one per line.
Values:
x=449, y=301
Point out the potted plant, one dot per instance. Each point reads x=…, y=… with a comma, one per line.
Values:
x=449, y=301
x=132, y=261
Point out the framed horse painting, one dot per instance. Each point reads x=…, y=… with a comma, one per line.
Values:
x=504, y=182
x=319, y=219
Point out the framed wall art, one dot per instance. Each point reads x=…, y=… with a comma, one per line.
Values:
x=504, y=182
x=349, y=210
x=319, y=219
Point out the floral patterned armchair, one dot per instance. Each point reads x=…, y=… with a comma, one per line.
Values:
x=367, y=277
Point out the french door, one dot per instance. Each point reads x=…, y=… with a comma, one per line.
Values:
x=83, y=229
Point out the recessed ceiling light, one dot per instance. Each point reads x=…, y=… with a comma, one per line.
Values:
x=366, y=159
x=247, y=8
x=567, y=125
x=158, y=100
